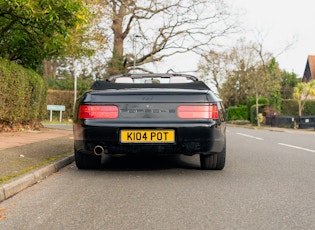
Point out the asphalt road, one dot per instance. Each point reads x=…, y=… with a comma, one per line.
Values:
x=268, y=183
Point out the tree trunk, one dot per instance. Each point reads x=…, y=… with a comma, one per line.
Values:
x=49, y=69
x=257, y=110
x=116, y=64
x=54, y=70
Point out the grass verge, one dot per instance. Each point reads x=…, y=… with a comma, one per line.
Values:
x=47, y=161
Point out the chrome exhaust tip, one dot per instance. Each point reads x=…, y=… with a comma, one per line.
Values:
x=98, y=150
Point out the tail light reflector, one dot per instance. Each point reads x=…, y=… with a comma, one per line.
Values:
x=198, y=112
x=98, y=112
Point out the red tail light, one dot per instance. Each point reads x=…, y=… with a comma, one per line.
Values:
x=198, y=112
x=98, y=112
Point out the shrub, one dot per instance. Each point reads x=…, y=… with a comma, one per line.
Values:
x=22, y=95
x=251, y=101
x=253, y=117
x=309, y=108
x=68, y=83
x=291, y=107
x=237, y=113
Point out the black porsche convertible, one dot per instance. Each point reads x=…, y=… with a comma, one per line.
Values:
x=150, y=113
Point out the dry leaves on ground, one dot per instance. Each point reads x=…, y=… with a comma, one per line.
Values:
x=2, y=213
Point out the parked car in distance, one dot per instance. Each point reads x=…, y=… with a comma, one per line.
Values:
x=151, y=114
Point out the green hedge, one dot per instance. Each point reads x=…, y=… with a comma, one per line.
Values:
x=61, y=93
x=237, y=113
x=291, y=107
x=22, y=94
x=68, y=83
x=309, y=108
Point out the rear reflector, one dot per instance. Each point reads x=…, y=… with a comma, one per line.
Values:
x=198, y=112
x=98, y=112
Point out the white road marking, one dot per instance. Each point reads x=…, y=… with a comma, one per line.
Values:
x=246, y=135
x=297, y=147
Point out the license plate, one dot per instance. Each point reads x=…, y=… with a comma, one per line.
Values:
x=147, y=136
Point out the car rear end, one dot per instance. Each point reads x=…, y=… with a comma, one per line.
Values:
x=147, y=121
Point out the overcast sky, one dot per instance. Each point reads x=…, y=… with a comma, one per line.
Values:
x=282, y=22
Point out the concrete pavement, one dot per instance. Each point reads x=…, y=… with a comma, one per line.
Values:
x=28, y=157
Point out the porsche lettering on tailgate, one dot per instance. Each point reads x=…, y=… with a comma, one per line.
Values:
x=147, y=136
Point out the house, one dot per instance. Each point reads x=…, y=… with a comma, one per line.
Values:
x=309, y=72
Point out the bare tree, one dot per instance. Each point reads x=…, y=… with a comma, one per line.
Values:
x=231, y=70
x=213, y=64
x=245, y=70
x=165, y=27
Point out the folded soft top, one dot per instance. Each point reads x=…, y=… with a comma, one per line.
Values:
x=103, y=85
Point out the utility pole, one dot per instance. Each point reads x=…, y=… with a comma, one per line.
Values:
x=134, y=52
x=75, y=91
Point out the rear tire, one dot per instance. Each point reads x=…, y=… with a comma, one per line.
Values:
x=84, y=161
x=215, y=161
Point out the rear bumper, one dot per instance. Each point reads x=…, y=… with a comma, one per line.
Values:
x=190, y=139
